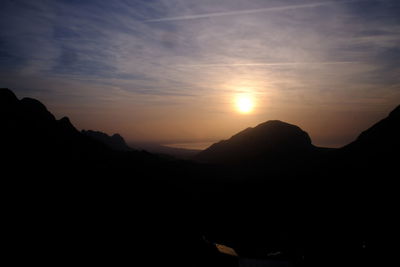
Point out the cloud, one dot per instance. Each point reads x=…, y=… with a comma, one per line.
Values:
x=269, y=64
x=252, y=11
x=111, y=41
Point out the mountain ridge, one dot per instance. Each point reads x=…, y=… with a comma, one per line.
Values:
x=115, y=141
x=383, y=135
x=33, y=131
x=268, y=140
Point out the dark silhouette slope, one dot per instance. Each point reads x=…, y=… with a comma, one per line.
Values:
x=69, y=197
x=358, y=190
x=381, y=140
x=31, y=132
x=375, y=153
x=272, y=140
x=115, y=141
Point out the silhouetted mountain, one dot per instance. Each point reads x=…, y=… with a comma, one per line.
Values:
x=358, y=188
x=32, y=133
x=272, y=140
x=70, y=197
x=115, y=141
x=382, y=139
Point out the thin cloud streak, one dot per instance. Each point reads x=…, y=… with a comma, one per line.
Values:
x=251, y=11
x=268, y=64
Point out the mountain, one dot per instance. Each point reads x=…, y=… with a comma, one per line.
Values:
x=69, y=197
x=382, y=139
x=372, y=159
x=272, y=140
x=115, y=142
x=30, y=132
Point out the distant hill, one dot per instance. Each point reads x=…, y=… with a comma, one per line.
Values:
x=180, y=153
x=272, y=140
x=115, y=142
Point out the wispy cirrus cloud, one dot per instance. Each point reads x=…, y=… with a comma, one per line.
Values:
x=253, y=11
x=269, y=64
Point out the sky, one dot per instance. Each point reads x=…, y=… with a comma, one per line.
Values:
x=171, y=71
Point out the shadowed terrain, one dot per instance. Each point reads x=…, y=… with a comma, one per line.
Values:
x=115, y=141
x=267, y=193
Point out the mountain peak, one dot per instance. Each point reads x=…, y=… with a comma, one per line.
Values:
x=276, y=123
x=7, y=96
x=118, y=137
x=115, y=141
x=268, y=140
x=282, y=128
x=277, y=132
x=66, y=124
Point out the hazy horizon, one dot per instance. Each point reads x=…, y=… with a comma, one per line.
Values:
x=190, y=72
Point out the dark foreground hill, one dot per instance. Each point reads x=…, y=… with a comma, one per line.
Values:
x=343, y=199
x=70, y=198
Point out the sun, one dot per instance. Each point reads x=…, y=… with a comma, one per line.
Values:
x=244, y=104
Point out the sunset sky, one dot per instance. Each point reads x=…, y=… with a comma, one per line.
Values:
x=183, y=71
